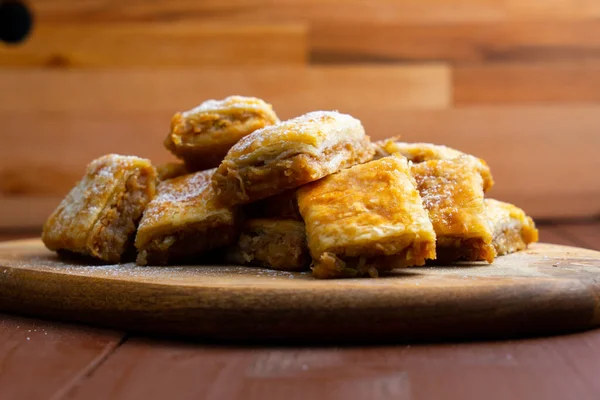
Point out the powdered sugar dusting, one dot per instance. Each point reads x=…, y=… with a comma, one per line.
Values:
x=175, y=196
x=81, y=207
x=318, y=129
x=228, y=104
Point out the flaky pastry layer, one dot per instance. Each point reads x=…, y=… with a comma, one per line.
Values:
x=513, y=229
x=452, y=193
x=371, y=212
x=99, y=216
x=184, y=219
x=419, y=152
x=202, y=136
x=290, y=154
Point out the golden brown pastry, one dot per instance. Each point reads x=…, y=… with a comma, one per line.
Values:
x=290, y=154
x=419, y=152
x=99, y=216
x=452, y=192
x=274, y=243
x=283, y=205
x=171, y=170
x=366, y=219
x=513, y=229
x=202, y=136
x=184, y=220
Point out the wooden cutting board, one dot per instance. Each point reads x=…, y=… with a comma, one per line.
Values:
x=546, y=289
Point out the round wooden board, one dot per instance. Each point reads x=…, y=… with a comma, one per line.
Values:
x=546, y=289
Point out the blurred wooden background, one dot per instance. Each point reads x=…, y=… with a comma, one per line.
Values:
x=515, y=82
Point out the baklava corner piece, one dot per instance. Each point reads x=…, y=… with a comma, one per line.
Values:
x=513, y=230
x=366, y=219
x=202, y=136
x=452, y=193
x=99, y=216
x=290, y=154
x=184, y=220
x=421, y=152
x=276, y=243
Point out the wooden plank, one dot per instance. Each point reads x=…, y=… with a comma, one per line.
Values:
x=544, y=9
x=167, y=44
x=298, y=89
x=584, y=234
x=33, y=179
x=526, y=83
x=43, y=360
x=267, y=10
x=4, y=236
x=553, y=233
x=514, y=40
x=550, y=368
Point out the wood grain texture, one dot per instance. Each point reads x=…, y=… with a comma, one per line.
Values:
x=458, y=42
x=44, y=360
x=266, y=10
x=546, y=289
x=551, y=368
x=167, y=44
x=527, y=83
x=293, y=89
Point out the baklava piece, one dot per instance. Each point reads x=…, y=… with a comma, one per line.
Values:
x=99, y=216
x=513, y=229
x=420, y=152
x=366, y=219
x=274, y=243
x=290, y=154
x=171, y=170
x=183, y=221
x=202, y=136
x=452, y=192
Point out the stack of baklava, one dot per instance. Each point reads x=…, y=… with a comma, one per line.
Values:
x=310, y=192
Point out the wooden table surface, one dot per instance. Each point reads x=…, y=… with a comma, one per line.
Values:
x=48, y=360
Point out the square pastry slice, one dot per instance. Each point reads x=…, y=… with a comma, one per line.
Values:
x=184, y=220
x=289, y=154
x=513, y=229
x=366, y=219
x=202, y=136
x=419, y=152
x=99, y=216
x=274, y=243
x=452, y=192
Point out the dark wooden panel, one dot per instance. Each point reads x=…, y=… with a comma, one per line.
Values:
x=527, y=83
x=168, y=44
x=552, y=233
x=43, y=360
x=512, y=40
x=584, y=234
x=553, y=368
